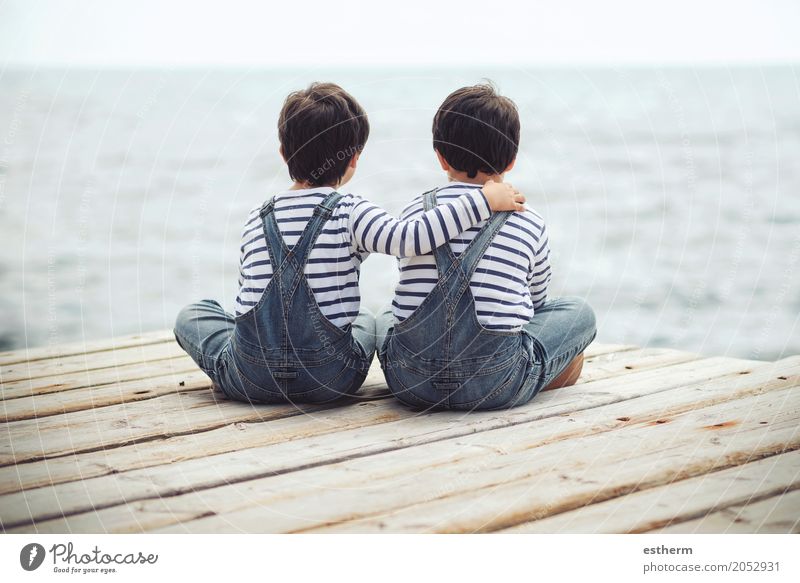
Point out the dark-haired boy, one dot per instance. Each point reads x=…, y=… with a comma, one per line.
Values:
x=470, y=326
x=298, y=334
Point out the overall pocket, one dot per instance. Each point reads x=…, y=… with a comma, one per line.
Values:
x=298, y=382
x=430, y=390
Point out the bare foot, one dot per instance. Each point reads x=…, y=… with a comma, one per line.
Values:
x=569, y=375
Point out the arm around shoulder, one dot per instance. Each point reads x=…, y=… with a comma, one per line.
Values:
x=540, y=272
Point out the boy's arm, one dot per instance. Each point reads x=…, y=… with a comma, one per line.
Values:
x=539, y=274
x=376, y=231
x=245, y=230
x=241, y=266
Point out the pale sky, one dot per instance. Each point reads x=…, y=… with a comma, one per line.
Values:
x=401, y=32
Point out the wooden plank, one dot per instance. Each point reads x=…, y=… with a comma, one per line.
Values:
x=380, y=474
x=677, y=501
x=222, y=440
x=607, y=365
x=62, y=402
x=597, y=349
x=81, y=362
x=84, y=347
x=93, y=378
x=779, y=514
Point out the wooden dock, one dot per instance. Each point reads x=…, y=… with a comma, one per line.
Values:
x=125, y=436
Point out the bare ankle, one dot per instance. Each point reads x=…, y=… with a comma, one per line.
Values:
x=569, y=376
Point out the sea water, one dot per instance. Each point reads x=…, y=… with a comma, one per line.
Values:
x=672, y=195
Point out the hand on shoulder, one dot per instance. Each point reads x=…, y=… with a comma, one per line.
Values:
x=502, y=196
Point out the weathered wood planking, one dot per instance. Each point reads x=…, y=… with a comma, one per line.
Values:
x=125, y=436
x=244, y=436
x=136, y=349
x=136, y=422
x=455, y=488
x=590, y=469
x=92, y=378
x=677, y=502
x=88, y=347
x=777, y=514
x=53, y=367
x=184, y=378
x=250, y=462
x=181, y=375
x=138, y=370
x=103, y=427
x=177, y=381
x=391, y=480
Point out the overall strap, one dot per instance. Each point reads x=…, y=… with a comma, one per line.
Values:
x=468, y=260
x=280, y=255
x=455, y=273
x=275, y=245
x=470, y=257
x=311, y=233
x=446, y=261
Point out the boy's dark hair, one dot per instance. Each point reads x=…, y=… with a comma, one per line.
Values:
x=477, y=130
x=320, y=129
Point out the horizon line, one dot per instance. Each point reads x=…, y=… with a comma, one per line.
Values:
x=605, y=64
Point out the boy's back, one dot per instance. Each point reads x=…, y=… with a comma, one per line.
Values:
x=470, y=326
x=511, y=279
x=355, y=229
x=332, y=268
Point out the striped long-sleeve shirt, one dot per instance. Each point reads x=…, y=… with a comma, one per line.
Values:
x=510, y=281
x=355, y=229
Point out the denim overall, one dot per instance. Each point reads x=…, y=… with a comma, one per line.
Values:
x=440, y=357
x=284, y=348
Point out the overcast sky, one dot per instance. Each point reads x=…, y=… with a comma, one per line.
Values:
x=410, y=32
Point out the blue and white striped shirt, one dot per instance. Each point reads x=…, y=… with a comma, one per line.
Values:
x=510, y=281
x=355, y=229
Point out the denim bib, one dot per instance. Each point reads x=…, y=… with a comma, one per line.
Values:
x=285, y=349
x=441, y=357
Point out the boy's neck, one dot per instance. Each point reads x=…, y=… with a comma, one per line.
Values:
x=480, y=178
x=308, y=186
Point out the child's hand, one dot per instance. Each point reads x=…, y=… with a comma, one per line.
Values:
x=501, y=196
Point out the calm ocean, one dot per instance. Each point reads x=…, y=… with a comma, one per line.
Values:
x=672, y=195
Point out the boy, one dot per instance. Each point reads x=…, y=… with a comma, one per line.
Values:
x=470, y=327
x=298, y=334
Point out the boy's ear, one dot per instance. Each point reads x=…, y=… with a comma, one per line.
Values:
x=280, y=150
x=442, y=162
x=510, y=167
x=354, y=160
